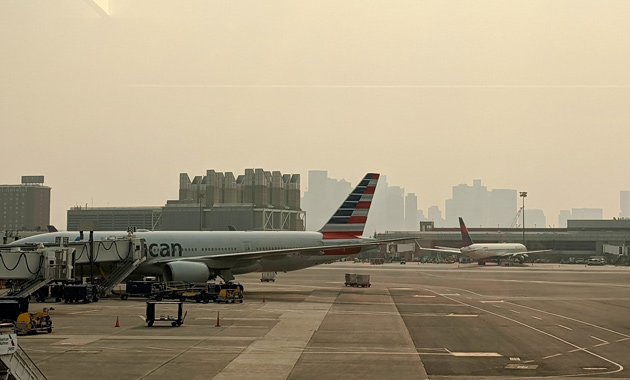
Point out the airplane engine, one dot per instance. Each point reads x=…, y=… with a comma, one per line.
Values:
x=186, y=271
x=520, y=258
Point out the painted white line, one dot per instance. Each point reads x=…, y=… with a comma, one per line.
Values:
x=142, y=317
x=577, y=349
x=515, y=359
x=565, y=327
x=619, y=366
x=621, y=340
x=601, y=344
x=601, y=340
x=551, y=356
x=477, y=354
x=571, y=319
x=83, y=312
x=535, y=317
x=594, y=368
x=491, y=301
x=423, y=296
x=449, y=294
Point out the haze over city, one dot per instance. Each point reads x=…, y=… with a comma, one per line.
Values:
x=111, y=100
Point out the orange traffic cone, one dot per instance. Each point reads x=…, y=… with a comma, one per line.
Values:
x=117, y=323
x=218, y=322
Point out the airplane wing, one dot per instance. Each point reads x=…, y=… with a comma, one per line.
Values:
x=441, y=249
x=252, y=255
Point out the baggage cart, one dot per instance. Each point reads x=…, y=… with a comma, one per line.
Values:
x=176, y=319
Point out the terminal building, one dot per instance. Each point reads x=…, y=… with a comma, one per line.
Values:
x=25, y=207
x=580, y=239
x=257, y=200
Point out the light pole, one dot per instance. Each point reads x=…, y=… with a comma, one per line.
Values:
x=523, y=194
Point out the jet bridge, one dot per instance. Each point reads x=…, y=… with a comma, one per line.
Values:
x=32, y=267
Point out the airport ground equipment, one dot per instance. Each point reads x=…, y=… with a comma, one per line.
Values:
x=143, y=289
x=171, y=291
x=32, y=323
x=10, y=309
x=14, y=362
x=268, y=277
x=230, y=293
x=85, y=293
x=200, y=293
x=358, y=280
x=32, y=266
x=174, y=319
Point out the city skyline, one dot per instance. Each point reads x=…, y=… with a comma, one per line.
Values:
x=112, y=106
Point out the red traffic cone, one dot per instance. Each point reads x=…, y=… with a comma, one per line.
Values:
x=117, y=323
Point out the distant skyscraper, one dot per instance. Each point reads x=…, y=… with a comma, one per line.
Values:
x=323, y=197
x=587, y=213
x=624, y=203
x=435, y=215
x=579, y=213
x=535, y=218
x=480, y=207
x=411, y=212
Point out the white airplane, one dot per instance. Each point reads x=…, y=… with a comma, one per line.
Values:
x=197, y=256
x=481, y=252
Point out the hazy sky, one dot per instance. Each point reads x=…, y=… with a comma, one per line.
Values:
x=531, y=95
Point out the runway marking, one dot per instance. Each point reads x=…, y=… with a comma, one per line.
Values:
x=619, y=366
x=423, y=296
x=477, y=354
x=84, y=312
x=551, y=356
x=578, y=349
x=491, y=301
x=565, y=327
x=142, y=317
x=572, y=319
x=514, y=311
x=448, y=294
x=515, y=359
x=594, y=368
x=621, y=340
x=601, y=340
x=535, y=317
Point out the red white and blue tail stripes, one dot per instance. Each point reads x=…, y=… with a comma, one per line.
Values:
x=349, y=220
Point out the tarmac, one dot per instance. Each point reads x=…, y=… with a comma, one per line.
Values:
x=416, y=321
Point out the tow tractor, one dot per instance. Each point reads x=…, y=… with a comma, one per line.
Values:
x=33, y=323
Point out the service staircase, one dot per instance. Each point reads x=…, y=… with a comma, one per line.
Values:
x=119, y=273
x=19, y=366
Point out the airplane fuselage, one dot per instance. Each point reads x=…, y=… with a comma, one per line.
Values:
x=480, y=251
x=163, y=245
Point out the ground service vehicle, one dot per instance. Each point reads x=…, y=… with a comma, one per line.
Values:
x=358, y=280
x=145, y=289
x=85, y=293
x=176, y=320
x=268, y=277
x=230, y=293
x=200, y=293
x=32, y=323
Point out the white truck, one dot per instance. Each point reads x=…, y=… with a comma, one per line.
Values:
x=358, y=280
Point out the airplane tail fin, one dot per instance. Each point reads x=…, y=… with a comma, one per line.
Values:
x=465, y=236
x=348, y=222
